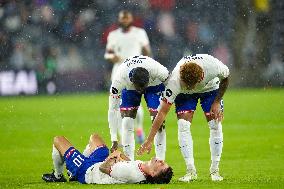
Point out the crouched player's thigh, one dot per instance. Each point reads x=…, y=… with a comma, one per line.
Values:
x=207, y=99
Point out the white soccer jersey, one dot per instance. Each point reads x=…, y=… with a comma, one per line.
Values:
x=121, y=172
x=213, y=69
x=126, y=44
x=158, y=73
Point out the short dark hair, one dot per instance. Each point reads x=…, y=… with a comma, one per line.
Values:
x=139, y=76
x=164, y=177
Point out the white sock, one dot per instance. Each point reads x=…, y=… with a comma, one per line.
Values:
x=139, y=118
x=160, y=144
x=58, y=162
x=216, y=143
x=186, y=143
x=87, y=151
x=127, y=138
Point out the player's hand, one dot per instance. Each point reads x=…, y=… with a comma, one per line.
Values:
x=114, y=146
x=215, y=111
x=145, y=147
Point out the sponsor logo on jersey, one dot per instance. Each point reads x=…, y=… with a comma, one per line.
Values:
x=114, y=90
x=169, y=93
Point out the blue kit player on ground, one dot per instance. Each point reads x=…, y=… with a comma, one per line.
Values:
x=136, y=76
x=195, y=78
x=96, y=166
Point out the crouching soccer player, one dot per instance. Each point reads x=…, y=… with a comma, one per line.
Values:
x=96, y=166
x=136, y=76
x=200, y=77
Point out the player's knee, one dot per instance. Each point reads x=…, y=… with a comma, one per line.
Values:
x=129, y=113
x=213, y=125
x=58, y=139
x=94, y=137
x=183, y=125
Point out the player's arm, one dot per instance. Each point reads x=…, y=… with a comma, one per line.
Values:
x=223, y=74
x=110, y=55
x=146, y=50
x=159, y=119
x=113, y=158
x=215, y=108
x=114, y=112
x=105, y=167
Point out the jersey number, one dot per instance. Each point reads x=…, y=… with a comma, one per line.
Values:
x=78, y=160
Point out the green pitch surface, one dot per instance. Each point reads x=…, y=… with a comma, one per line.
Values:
x=253, y=154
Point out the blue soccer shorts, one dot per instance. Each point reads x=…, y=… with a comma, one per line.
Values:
x=77, y=164
x=131, y=99
x=187, y=102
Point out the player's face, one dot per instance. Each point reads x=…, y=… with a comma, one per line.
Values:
x=158, y=165
x=125, y=20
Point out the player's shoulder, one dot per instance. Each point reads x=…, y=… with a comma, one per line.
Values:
x=115, y=32
x=138, y=31
x=135, y=28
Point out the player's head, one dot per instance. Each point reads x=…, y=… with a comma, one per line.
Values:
x=125, y=19
x=140, y=78
x=160, y=172
x=191, y=74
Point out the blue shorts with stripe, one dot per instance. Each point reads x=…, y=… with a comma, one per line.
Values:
x=188, y=102
x=131, y=99
x=77, y=164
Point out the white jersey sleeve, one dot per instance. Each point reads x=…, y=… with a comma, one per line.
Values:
x=144, y=38
x=172, y=89
x=158, y=71
x=128, y=172
x=223, y=70
x=110, y=46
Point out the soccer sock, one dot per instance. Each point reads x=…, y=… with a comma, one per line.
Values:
x=87, y=151
x=186, y=143
x=139, y=123
x=127, y=138
x=216, y=143
x=58, y=162
x=160, y=144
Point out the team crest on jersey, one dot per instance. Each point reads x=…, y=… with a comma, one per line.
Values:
x=169, y=92
x=114, y=90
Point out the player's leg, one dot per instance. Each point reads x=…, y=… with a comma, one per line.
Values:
x=130, y=102
x=139, y=125
x=60, y=146
x=216, y=134
x=185, y=107
x=152, y=97
x=95, y=142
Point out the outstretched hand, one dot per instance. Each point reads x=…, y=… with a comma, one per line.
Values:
x=145, y=147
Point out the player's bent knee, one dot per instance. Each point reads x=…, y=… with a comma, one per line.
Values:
x=58, y=139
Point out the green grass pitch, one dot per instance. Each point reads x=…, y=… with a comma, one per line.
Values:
x=253, y=154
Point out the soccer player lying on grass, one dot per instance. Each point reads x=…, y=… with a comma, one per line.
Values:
x=96, y=166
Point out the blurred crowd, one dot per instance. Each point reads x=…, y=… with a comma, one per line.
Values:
x=67, y=36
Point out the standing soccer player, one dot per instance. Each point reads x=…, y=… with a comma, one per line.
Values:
x=136, y=76
x=124, y=42
x=200, y=77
